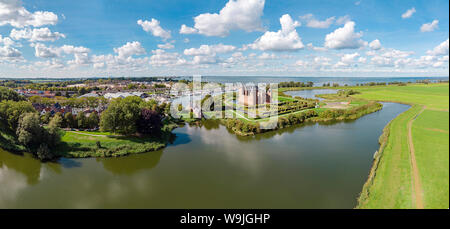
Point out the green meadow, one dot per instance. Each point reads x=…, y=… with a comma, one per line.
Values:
x=391, y=181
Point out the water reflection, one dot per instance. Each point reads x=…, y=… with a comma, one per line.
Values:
x=306, y=166
x=131, y=164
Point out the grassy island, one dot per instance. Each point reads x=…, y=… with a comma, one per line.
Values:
x=106, y=144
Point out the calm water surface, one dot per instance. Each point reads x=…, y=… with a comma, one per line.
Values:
x=313, y=166
x=311, y=94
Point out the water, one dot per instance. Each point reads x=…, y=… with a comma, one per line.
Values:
x=311, y=94
x=312, y=166
x=318, y=81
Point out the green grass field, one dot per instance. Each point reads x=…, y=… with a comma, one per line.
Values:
x=84, y=144
x=392, y=184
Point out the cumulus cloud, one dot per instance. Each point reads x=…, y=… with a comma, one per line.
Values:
x=312, y=22
x=209, y=50
x=51, y=64
x=391, y=57
x=129, y=49
x=162, y=58
x=440, y=50
x=187, y=30
x=286, y=39
x=312, y=47
x=342, y=20
x=166, y=46
x=347, y=60
x=40, y=50
x=237, y=14
x=267, y=56
x=154, y=28
x=6, y=41
x=41, y=34
x=344, y=38
x=50, y=52
x=375, y=44
x=318, y=62
x=409, y=13
x=9, y=53
x=429, y=27
x=13, y=13
x=204, y=60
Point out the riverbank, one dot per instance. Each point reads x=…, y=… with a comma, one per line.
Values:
x=391, y=182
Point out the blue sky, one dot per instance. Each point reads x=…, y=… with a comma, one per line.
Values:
x=45, y=38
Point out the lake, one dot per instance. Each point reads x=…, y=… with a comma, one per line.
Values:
x=310, y=166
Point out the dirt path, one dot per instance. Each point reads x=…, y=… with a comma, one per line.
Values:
x=417, y=185
x=437, y=130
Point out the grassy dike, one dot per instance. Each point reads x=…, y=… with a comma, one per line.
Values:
x=391, y=182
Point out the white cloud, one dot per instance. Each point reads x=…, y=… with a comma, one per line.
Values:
x=13, y=13
x=162, y=58
x=342, y=20
x=236, y=14
x=45, y=52
x=166, y=46
x=267, y=56
x=409, y=13
x=312, y=47
x=50, y=52
x=440, y=50
x=347, y=60
x=314, y=23
x=286, y=39
x=344, y=38
x=187, y=30
x=129, y=49
x=51, y=64
x=41, y=34
x=6, y=41
x=429, y=27
x=209, y=50
x=318, y=63
x=204, y=60
x=80, y=59
x=154, y=28
x=9, y=53
x=391, y=57
x=375, y=44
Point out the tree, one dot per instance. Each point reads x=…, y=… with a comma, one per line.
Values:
x=149, y=122
x=8, y=94
x=45, y=118
x=121, y=115
x=29, y=132
x=70, y=120
x=10, y=112
x=54, y=136
x=93, y=120
x=56, y=121
x=81, y=120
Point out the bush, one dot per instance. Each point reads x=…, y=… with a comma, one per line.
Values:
x=43, y=153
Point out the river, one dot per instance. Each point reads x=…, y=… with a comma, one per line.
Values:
x=309, y=166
